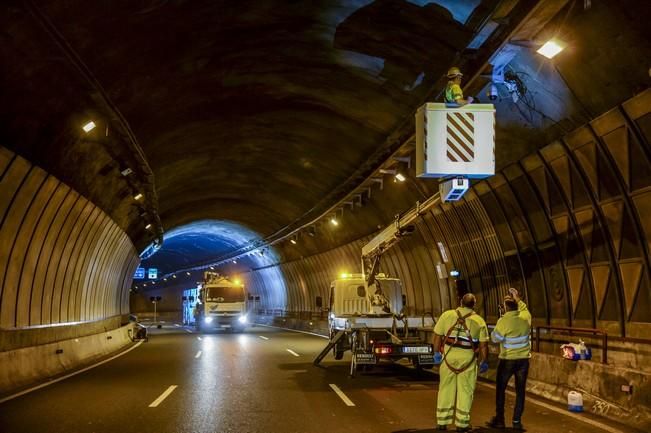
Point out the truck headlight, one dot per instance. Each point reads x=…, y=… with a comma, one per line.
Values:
x=242, y=319
x=332, y=315
x=207, y=319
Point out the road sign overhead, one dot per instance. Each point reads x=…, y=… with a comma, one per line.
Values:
x=139, y=274
x=152, y=274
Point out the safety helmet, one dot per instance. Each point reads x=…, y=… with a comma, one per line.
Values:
x=454, y=72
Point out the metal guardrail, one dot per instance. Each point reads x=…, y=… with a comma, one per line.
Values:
x=572, y=331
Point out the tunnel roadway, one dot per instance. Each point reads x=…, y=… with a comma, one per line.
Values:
x=260, y=381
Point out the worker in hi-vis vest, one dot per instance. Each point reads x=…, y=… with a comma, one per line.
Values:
x=453, y=92
x=512, y=333
x=461, y=344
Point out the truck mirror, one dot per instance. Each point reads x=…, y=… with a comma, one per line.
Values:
x=319, y=302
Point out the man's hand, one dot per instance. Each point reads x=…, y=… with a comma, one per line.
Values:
x=438, y=358
x=514, y=294
x=483, y=367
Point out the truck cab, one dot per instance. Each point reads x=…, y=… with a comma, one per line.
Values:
x=222, y=304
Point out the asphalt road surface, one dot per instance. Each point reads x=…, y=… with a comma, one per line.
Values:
x=260, y=381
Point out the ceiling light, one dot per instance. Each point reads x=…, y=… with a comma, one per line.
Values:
x=173, y=276
x=334, y=222
x=400, y=177
x=148, y=226
x=235, y=262
x=89, y=126
x=293, y=241
x=137, y=196
x=551, y=48
x=187, y=273
x=126, y=172
x=212, y=268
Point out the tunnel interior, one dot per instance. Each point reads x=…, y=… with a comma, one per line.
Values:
x=229, y=138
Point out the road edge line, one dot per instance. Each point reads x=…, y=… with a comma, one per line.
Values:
x=551, y=407
x=59, y=379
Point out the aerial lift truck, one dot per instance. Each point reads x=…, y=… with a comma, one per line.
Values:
x=366, y=310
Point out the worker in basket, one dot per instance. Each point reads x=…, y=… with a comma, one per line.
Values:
x=453, y=92
x=461, y=341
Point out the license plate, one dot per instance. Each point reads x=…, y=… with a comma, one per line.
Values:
x=365, y=358
x=426, y=359
x=415, y=349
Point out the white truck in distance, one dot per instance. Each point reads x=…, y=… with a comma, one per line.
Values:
x=222, y=304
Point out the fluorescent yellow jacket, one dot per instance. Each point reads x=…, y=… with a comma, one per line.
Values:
x=512, y=332
x=453, y=92
x=477, y=326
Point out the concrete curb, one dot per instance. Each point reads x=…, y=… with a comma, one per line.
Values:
x=30, y=365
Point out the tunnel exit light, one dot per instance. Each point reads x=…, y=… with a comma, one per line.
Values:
x=89, y=127
x=551, y=48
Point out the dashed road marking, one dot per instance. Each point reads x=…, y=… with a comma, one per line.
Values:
x=177, y=325
x=292, y=352
x=341, y=395
x=163, y=396
x=189, y=330
x=198, y=354
x=263, y=337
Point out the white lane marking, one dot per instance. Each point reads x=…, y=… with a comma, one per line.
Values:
x=177, y=325
x=295, y=330
x=341, y=395
x=198, y=354
x=292, y=352
x=199, y=338
x=264, y=338
x=59, y=379
x=189, y=330
x=163, y=396
x=597, y=424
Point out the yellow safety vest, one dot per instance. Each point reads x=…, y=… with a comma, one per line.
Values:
x=512, y=333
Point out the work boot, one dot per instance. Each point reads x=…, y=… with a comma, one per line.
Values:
x=496, y=422
x=464, y=429
x=517, y=425
x=441, y=427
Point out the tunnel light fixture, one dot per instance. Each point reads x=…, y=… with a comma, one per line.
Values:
x=148, y=226
x=212, y=268
x=187, y=273
x=551, y=48
x=89, y=127
x=293, y=241
x=138, y=196
x=173, y=276
x=334, y=221
x=400, y=177
x=235, y=262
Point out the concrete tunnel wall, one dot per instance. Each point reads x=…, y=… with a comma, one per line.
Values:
x=569, y=225
x=65, y=270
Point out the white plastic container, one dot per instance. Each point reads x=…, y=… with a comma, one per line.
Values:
x=575, y=401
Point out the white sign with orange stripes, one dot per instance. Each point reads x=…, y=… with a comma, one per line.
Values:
x=455, y=141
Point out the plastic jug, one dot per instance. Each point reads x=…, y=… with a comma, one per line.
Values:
x=575, y=401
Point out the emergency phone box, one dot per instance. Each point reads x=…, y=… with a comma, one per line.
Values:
x=455, y=141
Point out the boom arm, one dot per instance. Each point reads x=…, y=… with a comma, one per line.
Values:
x=402, y=226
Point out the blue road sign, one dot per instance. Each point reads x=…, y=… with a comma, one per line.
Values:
x=139, y=274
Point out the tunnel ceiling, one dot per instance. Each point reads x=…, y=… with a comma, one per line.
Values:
x=249, y=112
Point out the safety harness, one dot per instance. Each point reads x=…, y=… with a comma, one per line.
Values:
x=455, y=342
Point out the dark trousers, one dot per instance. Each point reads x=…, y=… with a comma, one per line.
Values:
x=505, y=369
